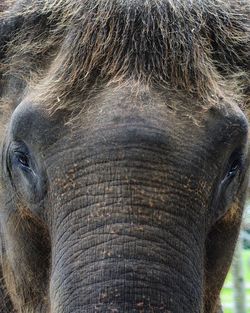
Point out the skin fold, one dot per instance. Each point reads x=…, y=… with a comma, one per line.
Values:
x=124, y=158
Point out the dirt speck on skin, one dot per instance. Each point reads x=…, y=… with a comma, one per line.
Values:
x=103, y=296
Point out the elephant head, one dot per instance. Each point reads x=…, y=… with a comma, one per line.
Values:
x=124, y=158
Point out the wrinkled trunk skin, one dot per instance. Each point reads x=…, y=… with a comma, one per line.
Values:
x=123, y=238
x=124, y=265
x=124, y=275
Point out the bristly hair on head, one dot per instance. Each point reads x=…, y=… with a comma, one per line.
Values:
x=71, y=48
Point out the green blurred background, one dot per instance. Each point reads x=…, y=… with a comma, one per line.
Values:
x=242, y=257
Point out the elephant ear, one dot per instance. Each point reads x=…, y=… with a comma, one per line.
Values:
x=220, y=246
x=23, y=26
x=229, y=34
x=7, y=29
x=5, y=302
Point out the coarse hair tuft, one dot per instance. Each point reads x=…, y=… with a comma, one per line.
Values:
x=73, y=47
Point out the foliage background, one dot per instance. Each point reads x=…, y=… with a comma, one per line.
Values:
x=227, y=294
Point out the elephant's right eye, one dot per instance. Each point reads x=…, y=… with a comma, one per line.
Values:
x=22, y=159
x=19, y=157
x=24, y=172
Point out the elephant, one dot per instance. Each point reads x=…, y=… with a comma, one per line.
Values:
x=124, y=153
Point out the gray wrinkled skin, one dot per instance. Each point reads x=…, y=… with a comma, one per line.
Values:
x=121, y=190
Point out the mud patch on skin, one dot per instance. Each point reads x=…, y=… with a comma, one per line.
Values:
x=234, y=213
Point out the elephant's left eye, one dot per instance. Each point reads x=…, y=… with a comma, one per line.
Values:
x=229, y=184
x=234, y=168
x=235, y=165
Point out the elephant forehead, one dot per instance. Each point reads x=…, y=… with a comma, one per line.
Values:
x=126, y=154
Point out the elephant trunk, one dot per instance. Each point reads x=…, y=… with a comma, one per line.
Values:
x=128, y=227
x=120, y=262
